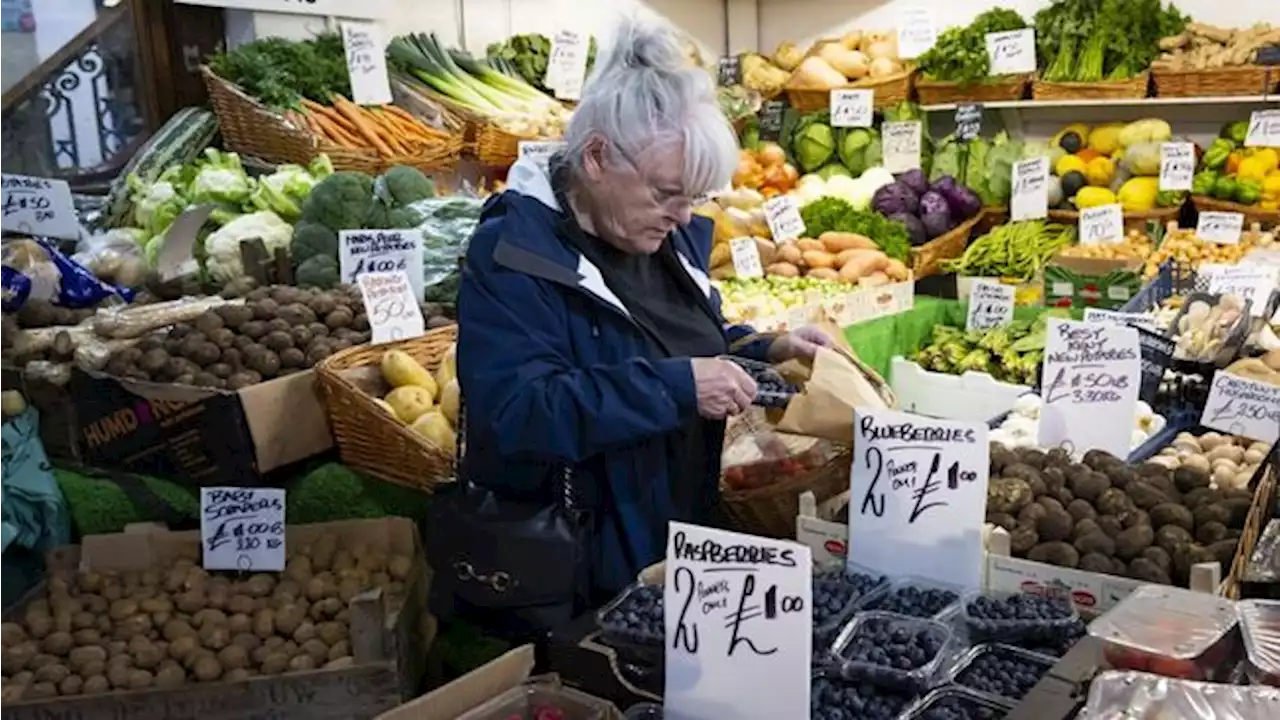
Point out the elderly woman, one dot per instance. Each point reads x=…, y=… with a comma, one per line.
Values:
x=591, y=342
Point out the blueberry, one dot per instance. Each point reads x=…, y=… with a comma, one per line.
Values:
x=832, y=700
x=1055, y=646
x=834, y=592
x=1019, y=615
x=954, y=708
x=1003, y=673
x=886, y=648
x=639, y=613
x=916, y=601
x=773, y=390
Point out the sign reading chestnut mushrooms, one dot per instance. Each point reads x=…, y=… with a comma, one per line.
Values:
x=242, y=528
x=1245, y=407
x=738, y=625
x=918, y=489
x=1091, y=377
x=362, y=251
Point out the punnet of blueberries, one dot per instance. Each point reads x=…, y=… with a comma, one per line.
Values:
x=953, y=703
x=916, y=600
x=1002, y=670
x=771, y=389
x=1013, y=616
x=894, y=650
x=833, y=699
x=1058, y=646
x=836, y=596
x=635, y=617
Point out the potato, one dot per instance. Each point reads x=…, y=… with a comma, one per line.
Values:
x=40, y=660
x=343, y=560
x=40, y=690
x=57, y=643
x=819, y=259
x=17, y=656
x=83, y=620
x=53, y=672
x=123, y=608
x=156, y=605
x=214, y=636
x=301, y=662
x=325, y=609
x=93, y=667
x=259, y=585
x=340, y=649
x=233, y=657
x=84, y=655
x=264, y=623
x=140, y=679
x=399, y=369
x=175, y=629
x=240, y=623
x=331, y=633
x=319, y=588
x=207, y=669
x=435, y=427
x=288, y=619
x=139, y=624
x=191, y=601
x=146, y=654
x=71, y=685
x=218, y=596
x=237, y=675
x=118, y=676
x=95, y=604
x=275, y=663
x=288, y=588
x=305, y=631
x=39, y=625
x=170, y=676
x=409, y=402
x=240, y=604
x=95, y=684
x=298, y=569
x=209, y=616
x=783, y=269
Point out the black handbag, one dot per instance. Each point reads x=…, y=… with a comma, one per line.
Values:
x=514, y=568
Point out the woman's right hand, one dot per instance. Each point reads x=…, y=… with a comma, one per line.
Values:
x=723, y=387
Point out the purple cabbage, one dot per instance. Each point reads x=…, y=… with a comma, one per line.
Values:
x=895, y=198
x=943, y=183
x=915, y=180
x=915, y=229
x=963, y=202
x=932, y=203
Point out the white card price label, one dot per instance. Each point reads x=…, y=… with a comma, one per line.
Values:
x=366, y=63
x=746, y=258
x=1030, y=199
x=1124, y=319
x=901, y=145
x=783, y=218
x=737, y=616
x=242, y=529
x=1091, y=378
x=1247, y=282
x=391, y=306
x=1223, y=228
x=1103, y=224
x=852, y=108
x=1240, y=406
x=1264, y=129
x=39, y=206
x=1012, y=52
x=990, y=305
x=918, y=492
x=916, y=32
x=540, y=151
x=567, y=65
x=1177, y=165
x=362, y=251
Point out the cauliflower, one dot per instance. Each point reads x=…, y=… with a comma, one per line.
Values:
x=155, y=205
x=222, y=248
x=221, y=178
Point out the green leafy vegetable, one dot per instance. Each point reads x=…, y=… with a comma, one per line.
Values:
x=280, y=72
x=1094, y=40
x=525, y=56
x=960, y=53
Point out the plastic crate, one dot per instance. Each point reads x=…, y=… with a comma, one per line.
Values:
x=1164, y=285
x=1176, y=422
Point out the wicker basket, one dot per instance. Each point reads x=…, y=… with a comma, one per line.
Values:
x=251, y=128
x=1132, y=220
x=1215, y=82
x=939, y=92
x=992, y=217
x=925, y=258
x=369, y=439
x=1259, y=513
x=888, y=91
x=770, y=511
x=1134, y=87
x=1252, y=213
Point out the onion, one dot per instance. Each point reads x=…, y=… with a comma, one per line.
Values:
x=771, y=154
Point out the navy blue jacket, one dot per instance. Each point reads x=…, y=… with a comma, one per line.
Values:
x=555, y=373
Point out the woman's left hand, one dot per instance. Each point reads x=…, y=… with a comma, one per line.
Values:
x=802, y=344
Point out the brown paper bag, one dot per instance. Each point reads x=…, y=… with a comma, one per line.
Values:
x=835, y=384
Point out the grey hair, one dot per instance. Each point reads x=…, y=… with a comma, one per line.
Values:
x=643, y=92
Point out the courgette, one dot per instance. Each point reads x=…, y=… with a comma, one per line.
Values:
x=179, y=141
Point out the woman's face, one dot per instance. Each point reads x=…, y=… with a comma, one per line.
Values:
x=635, y=202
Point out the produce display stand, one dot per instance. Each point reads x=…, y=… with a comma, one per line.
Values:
x=389, y=645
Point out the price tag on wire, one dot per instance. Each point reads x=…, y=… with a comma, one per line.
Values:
x=39, y=206
x=990, y=305
x=968, y=121
x=366, y=63
x=540, y=151
x=901, y=145
x=738, y=621
x=1091, y=376
x=852, y=108
x=1244, y=407
x=1264, y=129
x=1030, y=198
x=1177, y=165
x=729, y=70
x=242, y=529
x=1012, y=52
x=391, y=307
x=1223, y=228
x=567, y=65
x=1100, y=225
x=746, y=258
x=783, y=218
x=918, y=493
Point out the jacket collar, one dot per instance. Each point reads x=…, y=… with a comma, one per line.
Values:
x=544, y=254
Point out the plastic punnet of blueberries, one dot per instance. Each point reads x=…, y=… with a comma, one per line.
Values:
x=834, y=699
x=1055, y=647
x=895, y=650
x=836, y=595
x=917, y=599
x=1004, y=617
x=1004, y=671
x=772, y=391
x=954, y=703
x=634, y=617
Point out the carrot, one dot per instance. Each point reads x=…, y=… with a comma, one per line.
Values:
x=349, y=109
x=333, y=132
x=400, y=113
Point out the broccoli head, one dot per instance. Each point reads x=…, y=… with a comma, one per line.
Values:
x=408, y=185
x=318, y=271
x=340, y=201
x=405, y=217
x=378, y=217
x=311, y=238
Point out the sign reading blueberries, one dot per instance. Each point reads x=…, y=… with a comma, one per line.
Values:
x=242, y=528
x=1245, y=407
x=968, y=121
x=1091, y=378
x=738, y=625
x=918, y=496
x=1157, y=353
x=729, y=70
x=772, y=113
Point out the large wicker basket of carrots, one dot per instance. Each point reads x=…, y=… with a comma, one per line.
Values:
x=365, y=139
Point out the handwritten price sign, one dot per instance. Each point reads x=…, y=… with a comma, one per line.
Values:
x=1264, y=129
x=362, y=251
x=242, y=528
x=916, y=33
x=1030, y=199
x=392, y=306
x=1250, y=282
x=1240, y=406
x=851, y=108
x=366, y=63
x=738, y=617
x=901, y=145
x=1012, y=52
x=919, y=490
x=783, y=218
x=1101, y=224
x=38, y=206
x=1091, y=378
x=990, y=305
x=1126, y=319
x=567, y=65
x=1177, y=165
x=1223, y=228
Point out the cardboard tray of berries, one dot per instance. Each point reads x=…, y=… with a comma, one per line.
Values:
x=1002, y=671
x=896, y=651
x=953, y=702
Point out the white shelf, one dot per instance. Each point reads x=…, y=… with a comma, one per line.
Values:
x=1123, y=102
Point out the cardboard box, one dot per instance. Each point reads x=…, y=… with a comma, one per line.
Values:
x=1091, y=282
x=204, y=436
x=469, y=693
x=389, y=643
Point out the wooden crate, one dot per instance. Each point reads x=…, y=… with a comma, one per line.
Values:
x=389, y=643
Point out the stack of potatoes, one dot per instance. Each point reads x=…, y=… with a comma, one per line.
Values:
x=838, y=256
x=427, y=404
x=95, y=632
